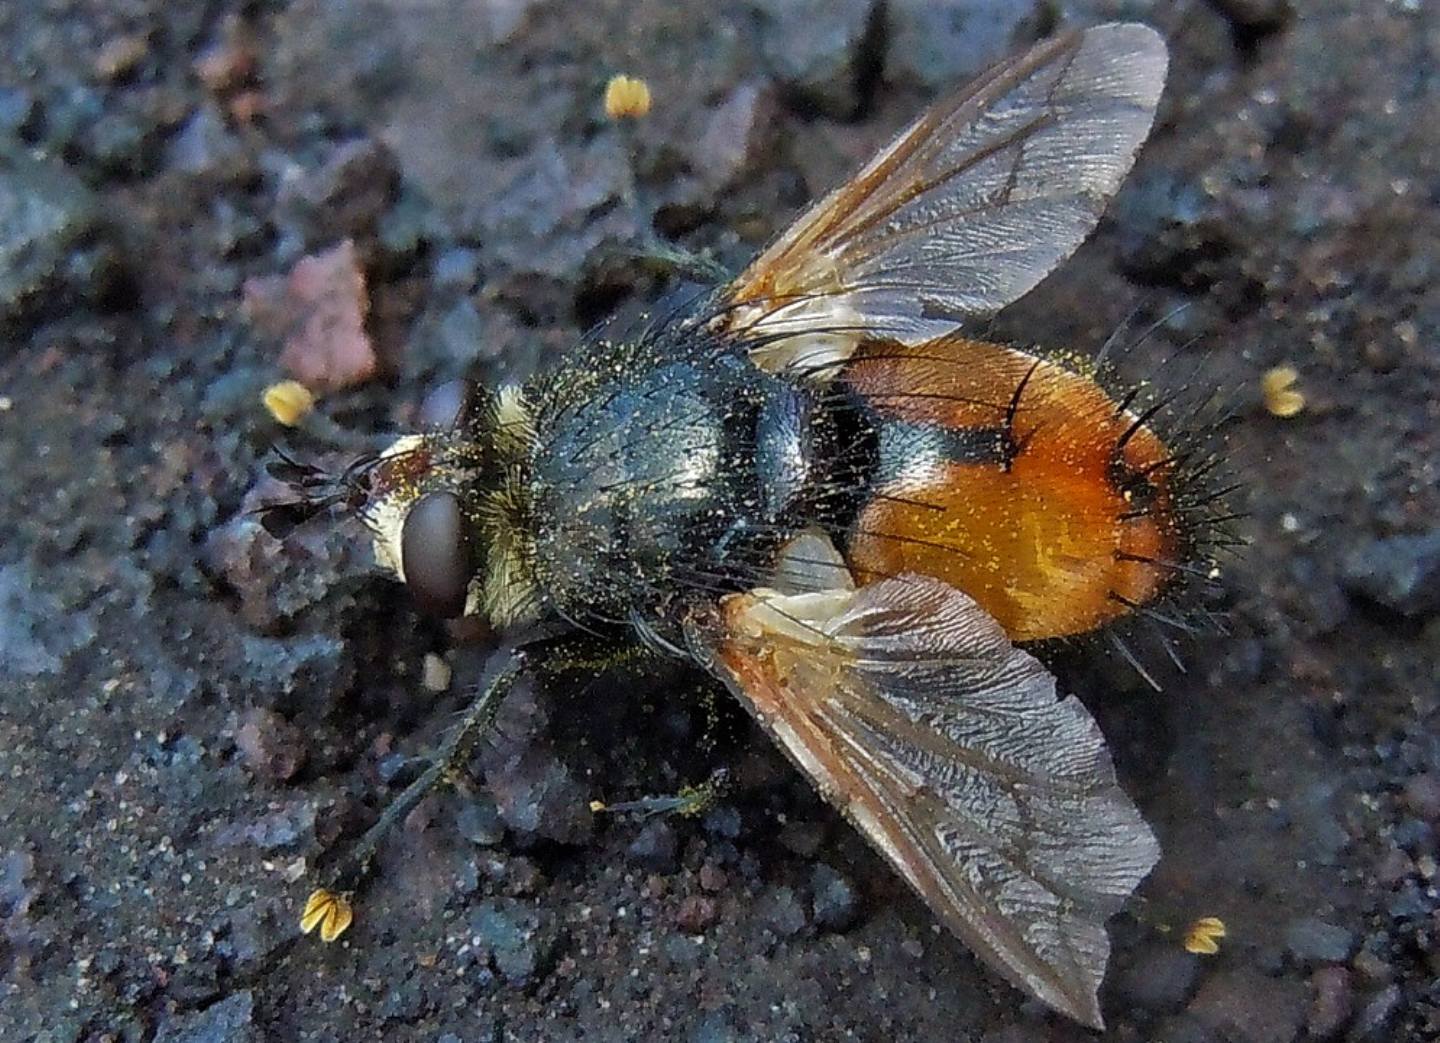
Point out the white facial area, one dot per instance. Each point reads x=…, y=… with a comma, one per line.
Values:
x=387, y=515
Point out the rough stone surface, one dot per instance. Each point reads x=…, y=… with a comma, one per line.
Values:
x=520, y=939
x=784, y=912
x=1249, y=1007
x=231, y=1020
x=1282, y=213
x=272, y=746
x=654, y=847
x=815, y=48
x=834, y=902
x=938, y=44
x=1312, y=940
x=1401, y=573
x=1159, y=978
x=696, y=914
x=1331, y=1003
x=44, y=211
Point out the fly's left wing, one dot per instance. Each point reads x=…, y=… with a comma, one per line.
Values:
x=965, y=212
x=914, y=715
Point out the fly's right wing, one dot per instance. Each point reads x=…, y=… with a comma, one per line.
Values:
x=946, y=746
x=965, y=212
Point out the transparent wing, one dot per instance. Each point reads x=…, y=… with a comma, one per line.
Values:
x=913, y=714
x=967, y=210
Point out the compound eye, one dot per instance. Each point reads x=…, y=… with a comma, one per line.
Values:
x=435, y=554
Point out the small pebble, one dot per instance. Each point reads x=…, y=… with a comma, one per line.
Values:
x=1401, y=573
x=1160, y=977
x=834, y=901
x=435, y=673
x=346, y=196
x=446, y=405
x=736, y=138
x=229, y=1021
x=523, y=877
x=1331, y=1004
x=454, y=335
x=784, y=912
x=273, y=748
x=803, y=838
x=697, y=913
x=1311, y=940
x=121, y=57
x=712, y=878
x=479, y=821
x=397, y=768
x=284, y=827
x=939, y=44
x=814, y=48
x=654, y=847
x=1422, y=794
x=520, y=938
x=536, y=794
x=318, y=310
x=1373, y=1021
x=45, y=210
x=1246, y=1006
x=18, y=109
x=1373, y=967
x=195, y=983
x=1415, y=836
x=257, y=930
x=457, y=268
x=1394, y=866
x=723, y=821
x=228, y=63
x=404, y=1002
x=205, y=144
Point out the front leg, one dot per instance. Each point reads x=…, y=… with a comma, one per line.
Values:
x=329, y=906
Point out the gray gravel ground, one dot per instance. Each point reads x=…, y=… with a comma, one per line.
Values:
x=193, y=715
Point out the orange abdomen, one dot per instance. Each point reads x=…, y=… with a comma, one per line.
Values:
x=1016, y=480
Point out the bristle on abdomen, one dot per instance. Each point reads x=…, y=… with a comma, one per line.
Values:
x=1026, y=485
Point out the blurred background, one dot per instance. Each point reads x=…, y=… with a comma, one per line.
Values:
x=200, y=199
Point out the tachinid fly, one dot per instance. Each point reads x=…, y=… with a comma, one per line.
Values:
x=811, y=484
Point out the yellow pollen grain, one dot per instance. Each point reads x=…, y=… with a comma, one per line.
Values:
x=288, y=401
x=328, y=911
x=1203, y=936
x=626, y=97
x=1277, y=387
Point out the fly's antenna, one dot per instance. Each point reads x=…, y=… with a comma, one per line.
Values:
x=314, y=491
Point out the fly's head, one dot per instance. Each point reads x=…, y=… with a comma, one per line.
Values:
x=423, y=512
x=445, y=508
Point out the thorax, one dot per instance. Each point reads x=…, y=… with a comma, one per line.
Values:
x=670, y=476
